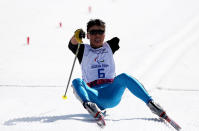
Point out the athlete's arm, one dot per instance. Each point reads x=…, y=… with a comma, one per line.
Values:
x=114, y=44
x=73, y=47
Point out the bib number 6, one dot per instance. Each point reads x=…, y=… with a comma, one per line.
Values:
x=101, y=73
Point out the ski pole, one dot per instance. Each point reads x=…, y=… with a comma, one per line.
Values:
x=79, y=34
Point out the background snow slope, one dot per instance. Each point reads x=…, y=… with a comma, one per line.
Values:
x=158, y=45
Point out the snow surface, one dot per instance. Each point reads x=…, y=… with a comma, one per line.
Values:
x=159, y=43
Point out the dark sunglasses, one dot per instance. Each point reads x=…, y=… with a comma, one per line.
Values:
x=94, y=32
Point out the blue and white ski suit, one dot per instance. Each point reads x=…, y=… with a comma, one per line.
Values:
x=99, y=64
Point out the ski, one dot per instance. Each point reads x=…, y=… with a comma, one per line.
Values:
x=100, y=120
x=170, y=121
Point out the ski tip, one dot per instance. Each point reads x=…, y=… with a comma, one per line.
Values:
x=101, y=125
x=173, y=123
x=101, y=122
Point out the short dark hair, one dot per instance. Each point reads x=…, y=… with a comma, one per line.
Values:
x=96, y=22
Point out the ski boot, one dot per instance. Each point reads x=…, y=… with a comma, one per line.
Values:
x=158, y=110
x=94, y=110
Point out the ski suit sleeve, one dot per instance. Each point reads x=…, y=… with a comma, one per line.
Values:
x=114, y=44
x=73, y=48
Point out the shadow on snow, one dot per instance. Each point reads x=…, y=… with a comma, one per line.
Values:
x=79, y=117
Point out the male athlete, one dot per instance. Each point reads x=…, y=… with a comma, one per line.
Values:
x=100, y=88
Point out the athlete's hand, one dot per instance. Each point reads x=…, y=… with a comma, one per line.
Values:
x=79, y=34
x=77, y=37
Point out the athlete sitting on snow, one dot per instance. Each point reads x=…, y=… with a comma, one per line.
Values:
x=99, y=88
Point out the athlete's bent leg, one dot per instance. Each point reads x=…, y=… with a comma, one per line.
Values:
x=135, y=87
x=79, y=89
x=84, y=93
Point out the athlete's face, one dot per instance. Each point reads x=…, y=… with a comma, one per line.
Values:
x=96, y=35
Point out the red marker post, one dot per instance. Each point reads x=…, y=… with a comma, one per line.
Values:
x=60, y=24
x=89, y=9
x=28, y=40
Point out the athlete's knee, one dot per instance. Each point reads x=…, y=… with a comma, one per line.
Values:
x=123, y=75
x=126, y=76
x=77, y=81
